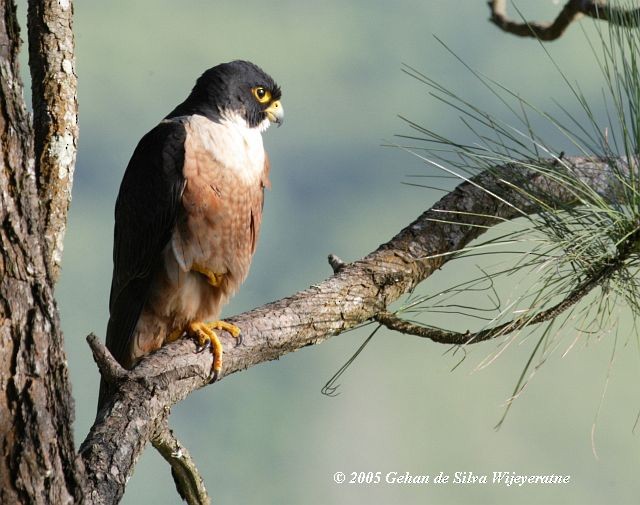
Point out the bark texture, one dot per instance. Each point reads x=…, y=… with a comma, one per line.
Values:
x=37, y=456
x=55, y=109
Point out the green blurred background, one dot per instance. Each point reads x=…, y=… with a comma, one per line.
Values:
x=267, y=435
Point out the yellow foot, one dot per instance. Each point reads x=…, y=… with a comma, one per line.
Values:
x=228, y=327
x=206, y=337
x=213, y=278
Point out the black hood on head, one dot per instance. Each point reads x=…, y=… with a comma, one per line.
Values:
x=228, y=88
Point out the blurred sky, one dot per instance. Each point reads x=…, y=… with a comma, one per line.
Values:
x=267, y=435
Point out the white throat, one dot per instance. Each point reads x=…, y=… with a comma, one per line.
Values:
x=235, y=119
x=232, y=143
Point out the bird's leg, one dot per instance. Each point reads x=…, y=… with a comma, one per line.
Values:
x=213, y=278
x=204, y=332
x=206, y=337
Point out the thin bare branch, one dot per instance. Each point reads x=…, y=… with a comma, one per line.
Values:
x=572, y=11
x=185, y=474
x=597, y=278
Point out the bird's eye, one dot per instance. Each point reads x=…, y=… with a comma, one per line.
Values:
x=261, y=94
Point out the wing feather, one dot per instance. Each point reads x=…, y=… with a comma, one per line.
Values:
x=147, y=208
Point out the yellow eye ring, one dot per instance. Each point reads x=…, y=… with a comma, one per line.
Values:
x=261, y=94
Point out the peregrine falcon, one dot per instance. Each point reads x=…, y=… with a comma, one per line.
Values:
x=188, y=215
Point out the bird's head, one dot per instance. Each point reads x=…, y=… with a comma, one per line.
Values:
x=238, y=89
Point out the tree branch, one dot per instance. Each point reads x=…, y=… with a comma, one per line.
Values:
x=336, y=263
x=185, y=474
x=572, y=11
x=355, y=294
x=109, y=368
x=55, y=122
x=595, y=279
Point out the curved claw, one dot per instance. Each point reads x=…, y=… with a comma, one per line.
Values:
x=202, y=347
x=206, y=338
x=232, y=329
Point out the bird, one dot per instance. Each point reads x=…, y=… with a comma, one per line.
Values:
x=188, y=215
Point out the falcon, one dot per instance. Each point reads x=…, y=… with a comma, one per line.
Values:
x=188, y=215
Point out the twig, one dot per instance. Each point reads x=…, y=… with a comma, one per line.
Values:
x=185, y=474
x=597, y=278
x=109, y=368
x=572, y=10
x=336, y=263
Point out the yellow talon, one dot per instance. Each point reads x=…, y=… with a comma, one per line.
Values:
x=223, y=325
x=205, y=336
x=213, y=278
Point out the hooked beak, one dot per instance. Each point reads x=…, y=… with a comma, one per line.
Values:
x=275, y=113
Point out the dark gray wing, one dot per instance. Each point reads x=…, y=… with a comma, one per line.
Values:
x=147, y=208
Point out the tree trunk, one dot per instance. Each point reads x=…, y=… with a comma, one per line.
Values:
x=37, y=457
